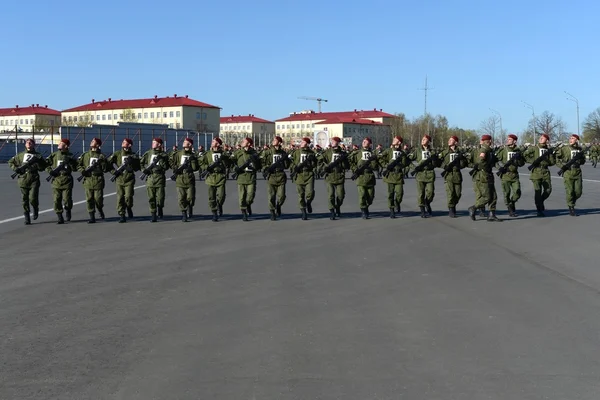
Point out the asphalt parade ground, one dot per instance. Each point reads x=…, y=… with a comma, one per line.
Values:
x=408, y=308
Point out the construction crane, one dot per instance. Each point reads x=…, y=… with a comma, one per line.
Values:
x=317, y=99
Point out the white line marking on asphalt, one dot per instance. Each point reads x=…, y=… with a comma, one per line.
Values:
x=52, y=209
x=560, y=177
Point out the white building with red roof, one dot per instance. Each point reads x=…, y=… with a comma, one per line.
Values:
x=235, y=128
x=29, y=119
x=178, y=112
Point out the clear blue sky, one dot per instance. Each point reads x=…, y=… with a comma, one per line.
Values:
x=258, y=57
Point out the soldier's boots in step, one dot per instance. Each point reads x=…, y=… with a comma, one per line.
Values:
x=36, y=213
x=572, y=212
x=309, y=207
x=215, y=216
x=184, y=216
x=452, y=212
x=472, y=213
x=101, y=212
x=27, y=218
x=278, y=210
x=61, y=220
x=129, y=213
x=392, y=213
x=244, y=215
x=273, y=216
x=428, y=208
x=68, y=214
x=154, y=217
x=511, y=210
x=424, y=213
x=122, y=219
x=492, y=217
x=365, y=213
x=338, y=211
x=190, y=212
x=332, y=214
x=540, y=211
x=304, y=214
x=249, y=209
x=92, y=219
x=160, y=212
x=220, y=210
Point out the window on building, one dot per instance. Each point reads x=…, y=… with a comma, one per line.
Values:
x=74, y=119
x=27, y=121
x=178, y=114
x=139, y=116
x=313, y=125
x=278, y=126
x=198, y=115
x=288, y=126
x=171, y=114
x=145, y=115
x=115, y=116
x=103, y=117
x=164, y=115
x=109, y=116
x=302, y=126
x=203, y=115
x=151, y=115
x=120, y=116
x=171, y=126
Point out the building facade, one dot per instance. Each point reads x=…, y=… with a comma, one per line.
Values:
x=235, y=128
x=176, y=112
x=33, y=118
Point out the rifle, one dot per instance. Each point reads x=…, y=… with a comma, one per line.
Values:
x=181, y=168
x=63, y=165
x=210, y=169
x=504, y=169
x=580, y=155
x=21, y=170
x=120, y=170
x=423, y=164
x=240, y=169
x=536, y=163
x=148, y=170
x=330, y=167
x=300, y=166
x=361, y=170
x=451, y=165
x=284, y=157
x=87, y=171
x=392, y=165
x=475, y=169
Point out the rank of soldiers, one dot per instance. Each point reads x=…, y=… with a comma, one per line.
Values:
x=304, y=165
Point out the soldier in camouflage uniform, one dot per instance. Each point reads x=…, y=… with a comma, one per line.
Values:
x=365, y=182
x=275, y=159
x=511, y=185
x=125, y=182
x=185, y=180
x=572, y=176
x=453, y=160
x=27, y=164
x=62, y=180
x=594, y=153
x=214, y=164
x=92, y=165
x=427, y=161
x=154, y=164
x=334, y=173
x=540, y=175
x=246, y=156
x=303, y=165
x=392, y=162
x=483, y=160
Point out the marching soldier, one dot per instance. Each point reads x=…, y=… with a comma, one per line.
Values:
x=154, y=164
x=27, y=165
x=334, y=164
x=570, y=159
x=214, y=164
x=511, y=158
x=61, y=165
x=127, y=162
x=304, y=163
x=247, y=162
x=364, y=164
x=543, y=157
x=275, y=161
x=378, y=151
x=452, y=162
x=184, y=163
x=393, y=161
x=425, y=175
x=594, y=153
x=483, y=160
x=92, y=165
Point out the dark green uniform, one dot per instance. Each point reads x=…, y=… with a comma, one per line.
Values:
x=572, y=177
x=156, y=180
x=511, y=185
x=540, y=175
x=594, y=153
x=29, y=179
x=453, y=177
x=93, y=181
x=366, y=181
x=304, y=177
x=483, y=181
x=397, y=160
x=185, y=181
x=425, y=178
x=62, y=182
x=246, y=177
x=125, y=182
x=215, y=162
x=276, y=181
x=335, y=177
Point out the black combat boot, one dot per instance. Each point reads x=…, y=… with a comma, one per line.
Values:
x=92, y=219
x=278, y=208
x=309, y=207
x=452, y=212
x=423, y=212
x=190, y=211
x=368, y=213
x=332, y=214
x=338, y=211
x=61, y=220
x=220, y=210
x=122, y=219
x=154, y=219
x=27, y=218
x=428, y=207
x=304, y=215
x=36, y=213
x=472, y=213
x=364, y=213
x=511, y=210
x=101, y=212
x=397, y=208
x=244, y=215
x=184, y=216
x=273, y=216
x=215, y=216
x=572, y=212
x=68, y=214
x=540, y=213
x=129, y=213
x=492, y=217
x=160, y=212
x=249, y=209
x=392, y=213
x=482, y=212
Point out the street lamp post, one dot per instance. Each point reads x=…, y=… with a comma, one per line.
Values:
x=576, y=101
x=533, y=115
x=499, y=115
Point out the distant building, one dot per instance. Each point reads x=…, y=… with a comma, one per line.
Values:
x=28, y=119
x=235, y=128
x=176, y=112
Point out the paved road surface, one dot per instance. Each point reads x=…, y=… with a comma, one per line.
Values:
x=350, y=309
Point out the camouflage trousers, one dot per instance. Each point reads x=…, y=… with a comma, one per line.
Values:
x=216, y=197
x=30, y=195
x=485, y=194
x=306, y=193
x=512, y=191
x=186, y=196
x=425, y=193
x=453, y=193
x=542, y=188
x=124, y=197
x=276, y=195
x=395, y=194
x=62, y=199
x=366, y=195
x=574, y=190
x=246, y=193
x=335, y=195
x=94, y=199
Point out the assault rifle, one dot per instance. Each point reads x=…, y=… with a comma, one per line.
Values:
x=459, y=156
x=332, y=165
x=536, y=163
x=301, y=166
x=210, y=169
x=179, y=170
x=25, y=167
x=580, y=155
x=87, y=171
x=120, y=170
x=148, y=170
x=62, y=166
x=284, y=157
x=423, y=164
x=241, y=168
x=504, y=169
x=474, y=170
x=366, y=165
x=392, y=165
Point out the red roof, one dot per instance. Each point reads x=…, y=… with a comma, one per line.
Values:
x=243, y=119
x=349, y=120
x=154, y=102
x=341, y=114
x=31, y=110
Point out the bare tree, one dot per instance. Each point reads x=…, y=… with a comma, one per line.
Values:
x=591, y=127
x=129, y=115
x=488, y=126
x=549, y=124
